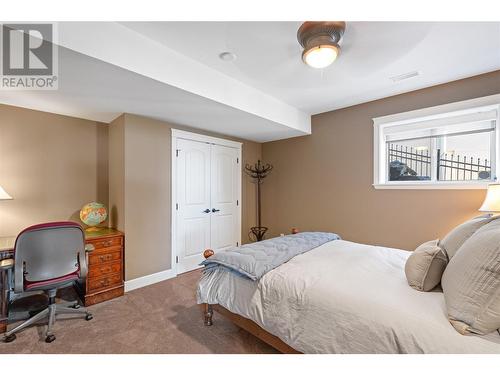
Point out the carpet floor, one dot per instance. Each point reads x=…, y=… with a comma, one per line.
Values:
x=159, y=318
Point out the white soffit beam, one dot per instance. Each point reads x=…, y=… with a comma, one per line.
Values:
x=116, y=44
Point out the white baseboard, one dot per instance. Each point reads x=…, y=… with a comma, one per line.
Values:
x=149, y=279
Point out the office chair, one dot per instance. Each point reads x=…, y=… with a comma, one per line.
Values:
x=48, y=257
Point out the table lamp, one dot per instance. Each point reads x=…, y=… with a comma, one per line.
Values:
x=492, y=201
x=4, y=195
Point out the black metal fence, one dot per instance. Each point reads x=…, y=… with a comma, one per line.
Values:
x=407, y=164
x=462, y=168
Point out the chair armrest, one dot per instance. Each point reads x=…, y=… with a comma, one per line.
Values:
x=89, y=248
x=6, y=264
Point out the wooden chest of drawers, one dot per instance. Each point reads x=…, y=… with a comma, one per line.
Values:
x=105, y=267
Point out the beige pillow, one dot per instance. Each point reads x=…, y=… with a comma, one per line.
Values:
x=471, y=282
x=458, y=235
x=425, y=266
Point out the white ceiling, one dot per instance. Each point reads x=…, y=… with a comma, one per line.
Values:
x=98, y=91
x=171, y=71
x=268, y=57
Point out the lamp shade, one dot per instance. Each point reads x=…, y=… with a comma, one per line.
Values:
x=320, y=56
x=492, y=201
x=4, y=195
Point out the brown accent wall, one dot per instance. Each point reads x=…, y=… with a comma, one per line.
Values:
x=324, y=181
x=140, y=190
x=51, y=165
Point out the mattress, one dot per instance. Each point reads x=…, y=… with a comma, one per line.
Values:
x=344, y=297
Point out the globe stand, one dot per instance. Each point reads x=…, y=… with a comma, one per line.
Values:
x=92, y=229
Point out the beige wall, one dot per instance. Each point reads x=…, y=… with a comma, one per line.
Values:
x=147, y=196
x=116, y=170
x=324, y=181
x=251, y=153
x=140, y=191
x=52, y=165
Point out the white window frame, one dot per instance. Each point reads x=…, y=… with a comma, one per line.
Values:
x=428, y=114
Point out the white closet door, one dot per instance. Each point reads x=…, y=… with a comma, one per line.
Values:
x=193, y=199
x=224, y=196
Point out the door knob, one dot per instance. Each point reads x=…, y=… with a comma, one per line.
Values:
x=214, y=210
x=206, y=211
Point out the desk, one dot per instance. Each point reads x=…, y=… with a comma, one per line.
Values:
x=7, y=245
x=105, y=277
x=6, y=252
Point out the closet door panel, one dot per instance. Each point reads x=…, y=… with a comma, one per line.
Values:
x=224, y=196
x=193, y=199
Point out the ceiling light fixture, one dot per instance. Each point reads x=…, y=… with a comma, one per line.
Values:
x=227, y=56
x=320, y=41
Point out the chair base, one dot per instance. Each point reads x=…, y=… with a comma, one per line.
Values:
x=50, y=312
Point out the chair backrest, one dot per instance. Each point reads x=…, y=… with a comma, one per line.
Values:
x=49, y=251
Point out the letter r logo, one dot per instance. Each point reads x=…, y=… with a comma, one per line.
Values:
x=27, y=49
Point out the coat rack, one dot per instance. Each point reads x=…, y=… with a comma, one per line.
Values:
x=258, y=172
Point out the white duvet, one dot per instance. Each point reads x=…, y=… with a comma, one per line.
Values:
x=344, y=297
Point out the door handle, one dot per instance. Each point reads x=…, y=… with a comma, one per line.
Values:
x=214, y=210
x=206, y=211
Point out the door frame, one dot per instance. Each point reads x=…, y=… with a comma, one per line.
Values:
x=182, y=134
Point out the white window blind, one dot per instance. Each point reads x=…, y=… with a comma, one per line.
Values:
x=461, y=124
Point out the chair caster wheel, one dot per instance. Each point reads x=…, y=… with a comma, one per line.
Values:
x=50, y=338
x=10, y=338
x=89, y=317
x=76, y=306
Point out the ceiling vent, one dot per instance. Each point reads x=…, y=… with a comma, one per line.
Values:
x=402, y=77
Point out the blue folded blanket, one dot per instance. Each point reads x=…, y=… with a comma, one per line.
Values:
x=256, y=259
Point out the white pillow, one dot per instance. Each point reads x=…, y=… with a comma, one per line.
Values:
x=471, y=282
x=458, y=235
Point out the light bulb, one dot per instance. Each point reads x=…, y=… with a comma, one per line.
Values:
x=320, y=56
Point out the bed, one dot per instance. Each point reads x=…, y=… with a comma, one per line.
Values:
x=339, y=297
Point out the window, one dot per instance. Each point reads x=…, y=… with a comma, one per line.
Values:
x=449, y=146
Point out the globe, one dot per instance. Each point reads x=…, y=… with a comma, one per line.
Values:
x=93, y=214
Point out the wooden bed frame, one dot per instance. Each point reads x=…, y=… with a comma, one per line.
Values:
x=248, y=325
